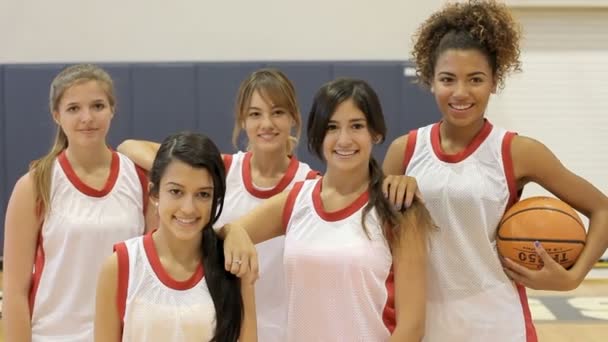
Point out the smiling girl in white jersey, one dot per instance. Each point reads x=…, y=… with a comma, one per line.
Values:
x=66, y=213
x=267, y=110
x=170, y=285
x=470, y=172
x=354, y=266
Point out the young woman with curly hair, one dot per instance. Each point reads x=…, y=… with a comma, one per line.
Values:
x=470, y=172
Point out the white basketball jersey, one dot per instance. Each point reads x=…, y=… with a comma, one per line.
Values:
x=241, y=197
x=154, y=306
x=469, y=296
x=339, y=281
x=76, y=237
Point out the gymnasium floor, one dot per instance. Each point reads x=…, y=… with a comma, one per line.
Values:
x=576, y=316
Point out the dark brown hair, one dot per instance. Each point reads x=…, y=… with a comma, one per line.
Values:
x=487, y=26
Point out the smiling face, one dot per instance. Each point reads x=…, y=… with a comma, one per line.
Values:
x=84, y=113
x=348, y=142
x=462, y=85
x=267, y=124
x=185, y=199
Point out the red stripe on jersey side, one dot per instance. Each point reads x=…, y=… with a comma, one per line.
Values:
x=142, y=174
x=282, y=185
x=410, y=146
x=462, y=155
x=37, y=274
x=161, y=273
x=289, y=203
x=312, y=174
x=388, y=314
x=122, y=255
x=338, y=214
x=530, y=329
x=507, y=162
x=80, y=185
x=227, y=159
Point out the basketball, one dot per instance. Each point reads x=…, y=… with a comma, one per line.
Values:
x=547, y=220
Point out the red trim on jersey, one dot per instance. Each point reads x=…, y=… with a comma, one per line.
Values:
x=289, y=203
x=142, y=174
x=530, y=329
x=227, y=159
x=123, y=280
x=312, y=174
x=283, y=183
x=338, y=214
x=80, y=185
x=410, y=146
x=462, y=155
x=507, y=162
x=161, y=273
x=388, y=314
x=37, y=274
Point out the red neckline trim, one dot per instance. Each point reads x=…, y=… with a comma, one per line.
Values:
x=462, y=155
x=283, y=183
x=161, y=273
x=80, y=185
x=338, y=214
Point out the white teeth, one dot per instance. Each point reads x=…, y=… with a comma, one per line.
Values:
x=345, y=153
x=185, y=221
x=461, y=107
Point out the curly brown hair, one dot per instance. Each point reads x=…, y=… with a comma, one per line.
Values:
x=477, y=24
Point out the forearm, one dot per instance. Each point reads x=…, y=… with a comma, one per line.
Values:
x=249, y=325
x=252, y=230
x=408, y=333
x=16, y=319
x=139, y=152
x=595, y=247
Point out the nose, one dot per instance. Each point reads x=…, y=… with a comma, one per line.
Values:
x=461, y=90
x=344, y=138
x=187, y=205
x=266, y=120
x=85, y=115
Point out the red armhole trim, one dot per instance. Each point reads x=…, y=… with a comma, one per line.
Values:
x=312, y=174
x=529, y=323
x=38, y=269
x=289, y=203
x=410, y=145
x=227, y=158
x=143, y=180
x=123, y=280
x=389, y=312
x=507, y=162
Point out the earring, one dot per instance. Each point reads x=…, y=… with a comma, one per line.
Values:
x=156, y=206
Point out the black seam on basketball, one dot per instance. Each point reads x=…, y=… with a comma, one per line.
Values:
x=541, y=240
x=541, y=208
x=528, y=251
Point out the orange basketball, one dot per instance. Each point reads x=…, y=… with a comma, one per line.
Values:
x=548, y=220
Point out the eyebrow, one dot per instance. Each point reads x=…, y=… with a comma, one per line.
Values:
x=273, y=107
x=469, y=75
x=181, y=186
x=351, y=120
x=78, y=103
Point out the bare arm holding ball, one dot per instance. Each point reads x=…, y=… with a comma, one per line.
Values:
x=534, y=162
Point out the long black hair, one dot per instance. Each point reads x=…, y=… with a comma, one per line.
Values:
x=199, y=151
x=326, y=100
